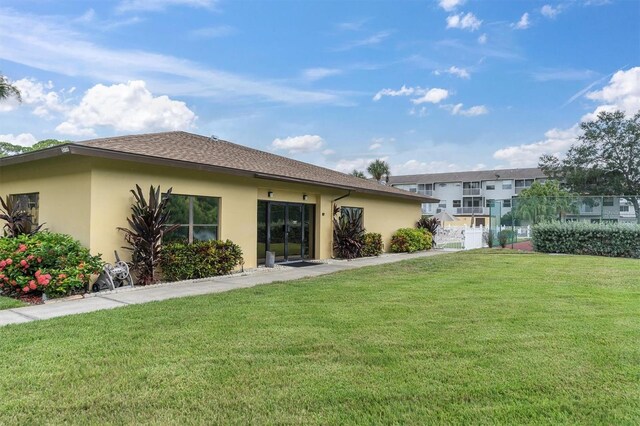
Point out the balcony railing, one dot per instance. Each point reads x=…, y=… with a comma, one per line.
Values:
x=425, y=192
x=471, y=191
x=473, y=210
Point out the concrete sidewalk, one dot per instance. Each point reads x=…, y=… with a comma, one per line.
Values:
x=133, y=296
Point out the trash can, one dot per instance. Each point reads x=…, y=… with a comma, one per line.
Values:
x=270, y=260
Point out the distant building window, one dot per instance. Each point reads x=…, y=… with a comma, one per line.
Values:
x=491, y=187
x=196, y=215
x=442, y=205
x=457, y=203
x=507, y=184
x=443, y=185
x=490, y=203
x=28, y=203
x=607, y=201
x=506, y=204
x=413, y=190
x=524, y=183
x=624, y=208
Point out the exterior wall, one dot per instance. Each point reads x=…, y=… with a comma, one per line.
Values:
x=64, y=187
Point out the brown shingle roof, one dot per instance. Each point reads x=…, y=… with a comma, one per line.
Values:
x=525, y=173
x=227, y=156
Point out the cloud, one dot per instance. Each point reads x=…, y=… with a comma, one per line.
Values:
x=474, y=111
x=129, y=107
x=568, y=74
x=404, y=91
x=159, y=5
x=523, y=23
x=369, y=41
x=375, y=146
x=212, y=32
x=23, y=139
x=433, y=96
x=622, y=92
x=412, y=167
x=298, y=144
x=328, y=152
x=450, y=5
x=458, y=72
x=55, y=45
x=313, y=74
x=461, y=21
x=37, y=95
x=550, y=11
x=348, y=165
x=482, y=39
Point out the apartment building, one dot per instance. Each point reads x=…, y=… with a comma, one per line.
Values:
x=470, y=194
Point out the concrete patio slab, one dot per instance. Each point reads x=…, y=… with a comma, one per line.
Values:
x=138, y=295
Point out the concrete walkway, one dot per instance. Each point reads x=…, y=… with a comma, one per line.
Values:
x=133, y=296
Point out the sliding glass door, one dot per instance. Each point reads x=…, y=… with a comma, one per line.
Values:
x=285, y=229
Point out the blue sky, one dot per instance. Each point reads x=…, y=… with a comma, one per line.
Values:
x=430, y=86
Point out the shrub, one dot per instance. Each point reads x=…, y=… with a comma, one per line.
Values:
x=348, y=233
x=18, y=220
x=53, y=264
x=409, y=240
x=182, y=261
x=372, y=244
x=489, y=237
x=612, y=240
x=147, y=225
x=504, y=237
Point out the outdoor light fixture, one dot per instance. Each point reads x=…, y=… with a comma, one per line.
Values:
x=270, y=194
x=304, y=197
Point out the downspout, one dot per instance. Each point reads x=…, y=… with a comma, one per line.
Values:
x=333, y=205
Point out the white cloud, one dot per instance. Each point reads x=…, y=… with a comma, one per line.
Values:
x=550, y=11
x=482, y=39
x=523, y=23
x=404, y=91
x=23, y=139
x=157, y=5
x=299, y=144
x=212, y=32
x=313, y=74
x=374, y=39
x=468, y=21
x=56, y=45
x=418, y=167
x=469, y=112
x=348, y=165
x=328, y=152
x=622, y=92
x=433, y=96
x=458, y=72
x=37, y=95
x=375, y=146
x=450, y=5
x=127, y=107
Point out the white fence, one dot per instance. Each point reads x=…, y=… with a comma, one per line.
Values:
x=460, y=237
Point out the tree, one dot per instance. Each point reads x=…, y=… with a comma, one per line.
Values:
x=379, y=169
x=8, y=149
x=8, y=90
x=544, y=202
x=358, y=173
x=605, y=161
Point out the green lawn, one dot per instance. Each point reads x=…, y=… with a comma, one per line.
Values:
x=8, y=303
x=476, y=337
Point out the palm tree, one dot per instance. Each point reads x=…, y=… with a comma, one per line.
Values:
x=379, y=169
x=358, y=173
x=7, y=89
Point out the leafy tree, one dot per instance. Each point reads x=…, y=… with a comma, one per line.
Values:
x=510, y=219
x=358, y=173
x=379, y=169
x=7, y=149
x=544, y=202
x=605, y=161
x=46, y=143
x=8, y=90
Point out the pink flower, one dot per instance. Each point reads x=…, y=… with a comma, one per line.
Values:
x=22, y=248
x=32, y=285
x=26, y=289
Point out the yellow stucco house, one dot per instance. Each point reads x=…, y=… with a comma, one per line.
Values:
x=222, y=190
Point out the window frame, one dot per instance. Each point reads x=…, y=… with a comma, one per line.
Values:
x=459, y=204
x=15, y=198
x=191, y=225
x=352, y=208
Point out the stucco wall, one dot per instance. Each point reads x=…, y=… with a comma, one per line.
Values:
x=64, y=185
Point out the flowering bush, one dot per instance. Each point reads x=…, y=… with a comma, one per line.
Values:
x=53, y=264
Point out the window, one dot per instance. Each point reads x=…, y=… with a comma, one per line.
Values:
x=524, y=183
x=353, y=213
x=442, y=205
x=506, y=184
x=196, y=215
x=624, y=208
x=442, y=185
x=490, y=203
x=506, y=204
x=457, y=203
x=28, y=203
x=607, y=201
x=491, y=187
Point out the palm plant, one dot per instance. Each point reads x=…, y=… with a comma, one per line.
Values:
x=379, y=169
x=8, y=90
x=431, y=224
x=147, y=226
x=358, y=173
x=18, y=220
x=348, y=233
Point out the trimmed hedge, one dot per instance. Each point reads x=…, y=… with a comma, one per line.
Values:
x=409, y=240
x=596, y=239
x=202, y=259
x=371, y=244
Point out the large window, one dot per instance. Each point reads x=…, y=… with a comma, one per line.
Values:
x=196, y=215
x=352, y=213
x=28, y=203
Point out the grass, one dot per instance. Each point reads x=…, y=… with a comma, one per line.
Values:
x=8, y=303
x=477, y=337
